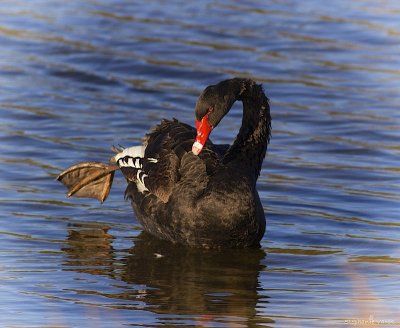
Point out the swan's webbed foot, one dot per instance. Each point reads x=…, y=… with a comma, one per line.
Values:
x=88, y=179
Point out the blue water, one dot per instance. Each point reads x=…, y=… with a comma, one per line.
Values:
x=77, y=77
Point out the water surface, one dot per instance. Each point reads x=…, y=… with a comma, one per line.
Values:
x=79, y=76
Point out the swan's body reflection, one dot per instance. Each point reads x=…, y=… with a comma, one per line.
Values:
x=206, y=285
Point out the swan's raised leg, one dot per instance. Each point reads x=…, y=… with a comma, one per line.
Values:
x=89, y=179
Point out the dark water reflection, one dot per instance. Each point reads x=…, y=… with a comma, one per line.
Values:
x=179, y=285
x=79, y=76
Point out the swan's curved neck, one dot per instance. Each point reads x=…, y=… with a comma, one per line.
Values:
x=249, y=148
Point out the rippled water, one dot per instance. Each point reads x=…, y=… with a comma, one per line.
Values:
x=79, y=76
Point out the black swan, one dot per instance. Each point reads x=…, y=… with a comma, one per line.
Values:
x=185, y=189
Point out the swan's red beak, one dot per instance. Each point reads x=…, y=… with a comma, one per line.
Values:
x=203, y=131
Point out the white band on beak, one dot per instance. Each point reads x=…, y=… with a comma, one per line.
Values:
x=196, y=148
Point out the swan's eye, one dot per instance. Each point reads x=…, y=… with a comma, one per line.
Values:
x=210, y=110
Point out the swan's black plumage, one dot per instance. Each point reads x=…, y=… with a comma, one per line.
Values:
x=209, y=200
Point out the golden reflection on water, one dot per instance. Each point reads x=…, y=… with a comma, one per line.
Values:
x=211, y=286
x=369, y=308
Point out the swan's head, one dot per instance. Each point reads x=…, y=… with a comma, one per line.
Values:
x=213, y=104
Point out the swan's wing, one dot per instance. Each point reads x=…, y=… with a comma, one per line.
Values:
x=167, y=143
x=166, y=160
